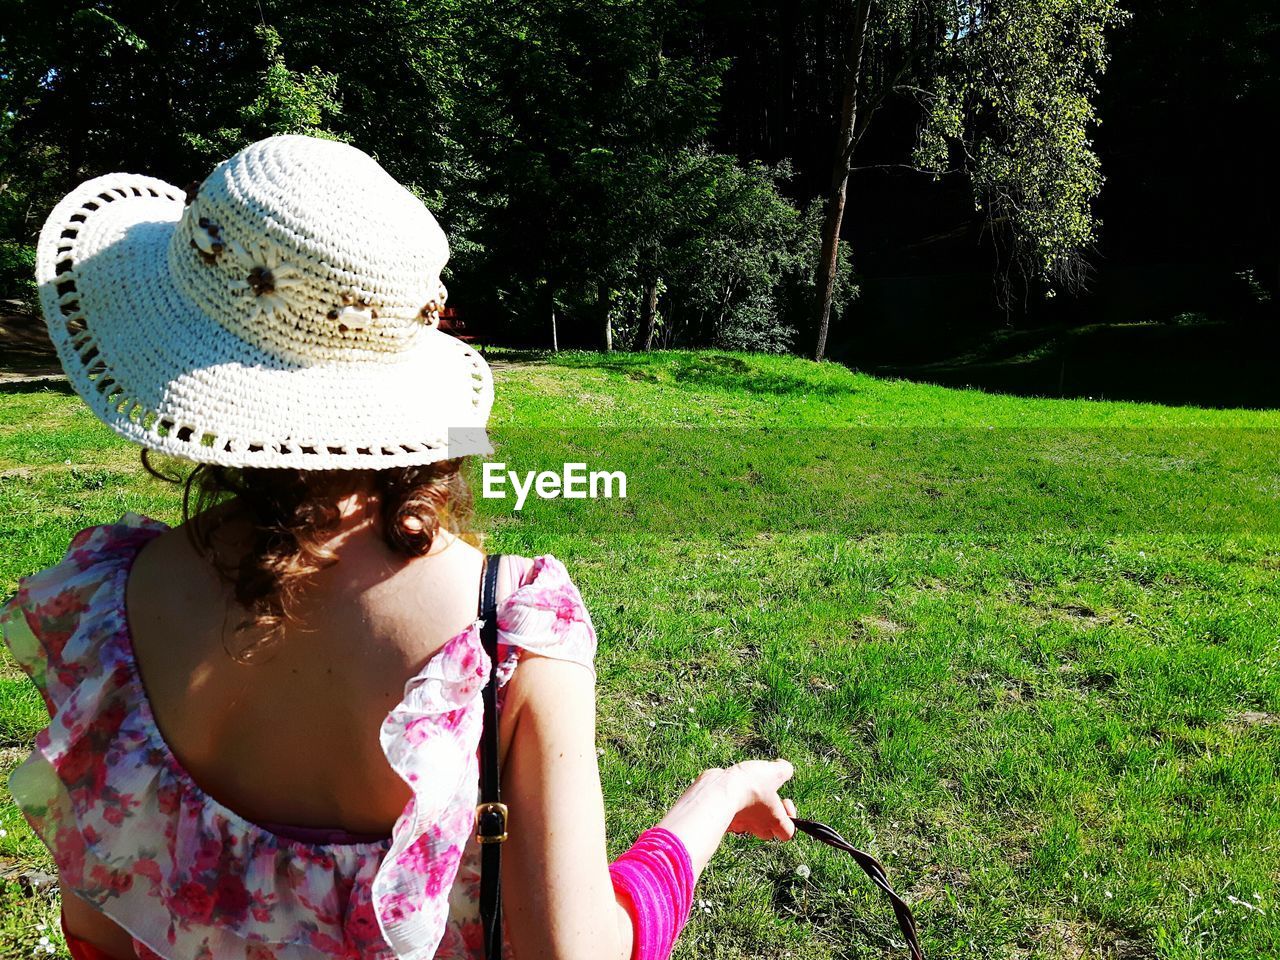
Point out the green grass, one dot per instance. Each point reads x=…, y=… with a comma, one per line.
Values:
x=1023, y=650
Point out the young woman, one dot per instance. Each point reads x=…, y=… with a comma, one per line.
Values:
x=264, y=722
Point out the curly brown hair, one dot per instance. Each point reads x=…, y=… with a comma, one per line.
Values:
x=293, y=515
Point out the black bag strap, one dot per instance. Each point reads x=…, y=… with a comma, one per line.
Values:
x=491, y=813
x=875, y=870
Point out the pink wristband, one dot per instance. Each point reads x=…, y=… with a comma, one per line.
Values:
x=656, y=875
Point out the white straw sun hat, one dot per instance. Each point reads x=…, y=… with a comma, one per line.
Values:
x=285, y=315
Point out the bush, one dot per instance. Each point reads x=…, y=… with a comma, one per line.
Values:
x=17, y=271
x=746, y=276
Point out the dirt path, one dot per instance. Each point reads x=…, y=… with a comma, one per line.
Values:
x=26, y=355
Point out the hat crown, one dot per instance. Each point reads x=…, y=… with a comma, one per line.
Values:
x=309, y=250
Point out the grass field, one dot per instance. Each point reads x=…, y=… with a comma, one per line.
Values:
x=1023, y=650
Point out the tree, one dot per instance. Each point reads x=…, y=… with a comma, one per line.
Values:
x=574, y=118
x=851, y=132
x=1005, y=90
x=87, y=89
x=286, y=101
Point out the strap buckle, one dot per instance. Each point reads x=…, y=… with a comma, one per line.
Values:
x=491, y=822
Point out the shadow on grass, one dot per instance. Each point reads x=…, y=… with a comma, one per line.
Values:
x=703, y=371
x=500, y=355
x=1205, y=364
x=56, y=384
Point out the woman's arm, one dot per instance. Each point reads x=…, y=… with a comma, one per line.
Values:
x=558, y=898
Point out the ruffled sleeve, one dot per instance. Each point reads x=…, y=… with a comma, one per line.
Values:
x=432, y=738
x=546, y=616
x=41, y=622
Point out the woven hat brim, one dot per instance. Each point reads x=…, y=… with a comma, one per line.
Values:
x=159, y=371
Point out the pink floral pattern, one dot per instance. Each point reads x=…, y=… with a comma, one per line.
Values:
x=133, y=834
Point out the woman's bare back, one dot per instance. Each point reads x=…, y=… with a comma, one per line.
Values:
x=292, y=736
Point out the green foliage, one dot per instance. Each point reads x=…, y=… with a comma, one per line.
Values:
x=17, y=269
x=566, y=148
x=292, y=102
x=1011, y=103
x=90, y=88
x=578, y=122
x=111, y=33
x=563, y=147
x=742, y=277
x=288, y=101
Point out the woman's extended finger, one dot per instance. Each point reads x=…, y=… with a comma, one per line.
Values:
x=790, y=806
x=784, y=829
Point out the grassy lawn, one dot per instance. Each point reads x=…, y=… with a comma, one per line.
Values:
x=1023, y=650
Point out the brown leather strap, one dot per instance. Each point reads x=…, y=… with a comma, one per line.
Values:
x=875, y=870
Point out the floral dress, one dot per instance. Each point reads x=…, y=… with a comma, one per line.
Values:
x=191, y=879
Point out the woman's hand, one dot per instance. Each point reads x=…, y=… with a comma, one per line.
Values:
x=742, y=799
x=761, y=811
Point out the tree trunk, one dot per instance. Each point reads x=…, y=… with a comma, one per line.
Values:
x=648, y=315
x=555, y=340
x=827, y=263
x=602, y=302
x=825, y=274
